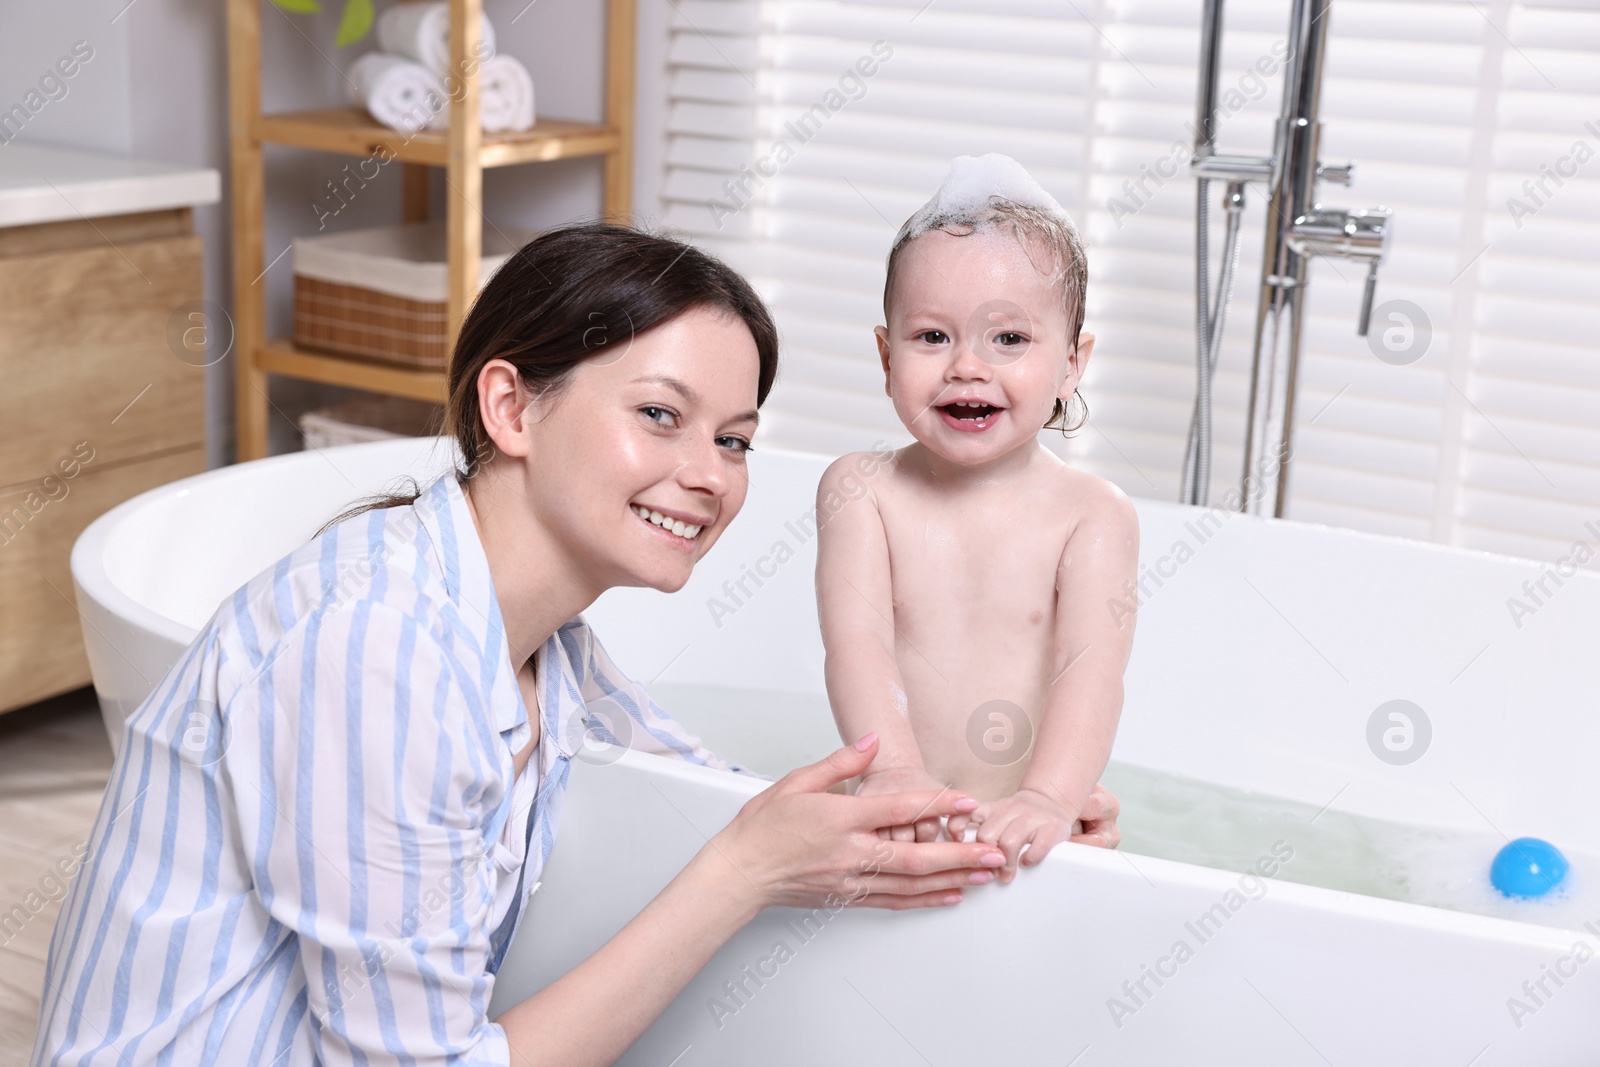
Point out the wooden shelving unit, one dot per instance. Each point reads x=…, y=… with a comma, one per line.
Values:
x=462, y=153
x=351, y=131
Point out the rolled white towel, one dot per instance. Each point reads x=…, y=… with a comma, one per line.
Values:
x=505, y=97
x=401, y=94
x=421, y=31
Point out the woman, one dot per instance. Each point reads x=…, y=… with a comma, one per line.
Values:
x=323, y=825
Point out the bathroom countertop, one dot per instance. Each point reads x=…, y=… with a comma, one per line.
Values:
x=42, y=183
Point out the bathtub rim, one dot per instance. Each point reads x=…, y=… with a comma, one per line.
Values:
x=1216, y=880
x=90, y=575
x=88, y=559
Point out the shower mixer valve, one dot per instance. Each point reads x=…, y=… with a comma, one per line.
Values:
x=1337, y=173
x=1362, y=235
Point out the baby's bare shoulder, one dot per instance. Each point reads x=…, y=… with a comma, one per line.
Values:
x=857, y=474
x=1091, y=504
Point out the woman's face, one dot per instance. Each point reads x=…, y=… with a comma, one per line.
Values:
x=638, y=464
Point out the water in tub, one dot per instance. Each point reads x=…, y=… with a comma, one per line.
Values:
x=1188, y=820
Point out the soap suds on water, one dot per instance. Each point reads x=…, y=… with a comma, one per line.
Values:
x=1218, y=826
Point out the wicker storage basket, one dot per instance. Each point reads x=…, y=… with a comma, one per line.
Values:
x=370, y=418
x=381, y=294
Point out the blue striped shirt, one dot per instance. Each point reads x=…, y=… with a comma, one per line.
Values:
x=314, y=847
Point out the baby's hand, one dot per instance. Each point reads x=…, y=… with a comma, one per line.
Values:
x=1024, y=818
x=901, y=780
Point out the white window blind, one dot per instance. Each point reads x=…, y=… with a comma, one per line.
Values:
x=1529, y=476
x=1490, y=440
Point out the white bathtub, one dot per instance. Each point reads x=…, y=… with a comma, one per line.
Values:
x=1258, y=664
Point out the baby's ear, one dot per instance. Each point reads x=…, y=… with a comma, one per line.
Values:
x=881, y=335
x=1085, y=348
x=1079, y=360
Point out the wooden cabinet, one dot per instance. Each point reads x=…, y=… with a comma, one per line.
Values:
x=99, y=401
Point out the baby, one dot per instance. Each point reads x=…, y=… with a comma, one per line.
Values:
x=963, y=595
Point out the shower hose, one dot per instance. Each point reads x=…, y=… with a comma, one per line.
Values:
x=1208, y=331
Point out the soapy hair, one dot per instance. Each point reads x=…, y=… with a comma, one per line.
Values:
x=570, y=295
x=1036, y=226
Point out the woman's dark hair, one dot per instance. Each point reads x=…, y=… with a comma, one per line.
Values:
x=577, y=293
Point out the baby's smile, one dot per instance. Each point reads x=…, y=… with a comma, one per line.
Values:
x=970, y=416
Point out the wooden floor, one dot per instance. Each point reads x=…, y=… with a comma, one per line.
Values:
x=54, y=764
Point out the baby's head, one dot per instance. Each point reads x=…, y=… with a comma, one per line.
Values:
x=984, y=302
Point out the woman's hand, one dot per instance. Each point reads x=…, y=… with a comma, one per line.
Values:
x=798, y=845
x=903, y=780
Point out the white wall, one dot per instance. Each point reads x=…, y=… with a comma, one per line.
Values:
x=94, y=112
x=157, y=88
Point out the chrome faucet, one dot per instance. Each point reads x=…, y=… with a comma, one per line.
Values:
x=1359, y=235
x=1298, y=228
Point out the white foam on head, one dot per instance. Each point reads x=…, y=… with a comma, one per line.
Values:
x=964, y=195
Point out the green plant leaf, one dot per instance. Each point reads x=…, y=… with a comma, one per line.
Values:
x=299, y=7
x=355, y=22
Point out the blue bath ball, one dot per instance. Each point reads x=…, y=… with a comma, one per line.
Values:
x=1528, y=867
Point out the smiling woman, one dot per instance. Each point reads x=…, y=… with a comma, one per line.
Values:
x=621, y=371
x=366, y=741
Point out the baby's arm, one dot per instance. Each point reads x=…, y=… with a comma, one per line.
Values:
x=1084, y=700
x=855, y=605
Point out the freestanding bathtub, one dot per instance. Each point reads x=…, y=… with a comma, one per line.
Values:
x=1266, y=657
